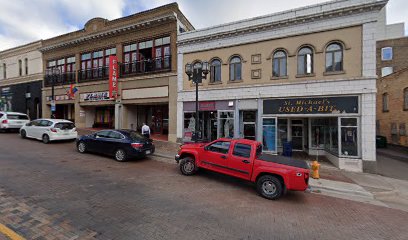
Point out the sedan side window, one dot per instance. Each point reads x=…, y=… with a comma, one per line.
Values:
x=242, y=150
x=219, y=147
x=115, y=135
x=103, y=134
x=45, y=123
x=35, y=123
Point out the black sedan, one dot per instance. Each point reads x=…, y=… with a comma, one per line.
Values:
x=122, y=144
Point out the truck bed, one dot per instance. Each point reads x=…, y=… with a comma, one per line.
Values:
x=283, y=160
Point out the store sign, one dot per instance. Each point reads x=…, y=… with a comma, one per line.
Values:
x=59, y=98
x=95, y=96
x=113, y=76
x=328, y=105
x=206, y=106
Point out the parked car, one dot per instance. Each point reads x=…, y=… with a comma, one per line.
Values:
x=12, y=120
x=49, y=130
x=121, y=144
x=244, y=159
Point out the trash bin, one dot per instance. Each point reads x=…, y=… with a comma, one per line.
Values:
x=287, y=149
x=381, y=142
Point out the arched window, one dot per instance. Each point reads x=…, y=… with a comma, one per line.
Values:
x=279, y=64
x=235, y=69
x=215, y=71
x=385, y=102
x=334, y=58
x=305, y=61
x=406, y=98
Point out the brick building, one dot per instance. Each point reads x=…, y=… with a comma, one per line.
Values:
x=21, y=79
x=392, y=90
x=305, y=76
x=145, y=45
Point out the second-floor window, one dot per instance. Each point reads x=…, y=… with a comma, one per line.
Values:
x=20, y=67
x=334, y=58
x=279, y=64
x=305, y=61
x=386, y=53
x=235, y=68
x=215, y=71
x=4, y=71
x=385, y=102
x=406, y=98
x=96, y=64
x=26, y=66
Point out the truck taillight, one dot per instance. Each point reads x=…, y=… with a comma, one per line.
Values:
x=137, y=145
x=306, y=176
x=4, y=121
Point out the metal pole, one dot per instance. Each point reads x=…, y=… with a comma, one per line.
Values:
x=198, y=118
x=52, y=93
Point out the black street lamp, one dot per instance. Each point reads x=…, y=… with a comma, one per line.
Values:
x=197, y=73
x=55, y=74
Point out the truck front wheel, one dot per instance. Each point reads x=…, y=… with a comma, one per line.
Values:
x=269, y=187
x=188, y=166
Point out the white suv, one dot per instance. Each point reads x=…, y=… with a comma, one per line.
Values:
x=49, y=130
x=12, y=120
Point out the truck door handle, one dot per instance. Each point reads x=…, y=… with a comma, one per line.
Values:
x=245, y=161
x=224, y=157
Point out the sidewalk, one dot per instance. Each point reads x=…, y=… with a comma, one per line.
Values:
x=394, y=152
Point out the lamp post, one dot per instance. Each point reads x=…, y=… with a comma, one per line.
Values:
x=197, y=73
x=55, y=73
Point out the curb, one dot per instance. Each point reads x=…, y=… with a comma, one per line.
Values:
x=343, y=191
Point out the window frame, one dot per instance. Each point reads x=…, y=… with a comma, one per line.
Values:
x=332, y=54
x=208, y=147
x=279, y=62
x=385, y=102
x=215, y=69
x=382, y=54
x=305, y=62
x=235, y=66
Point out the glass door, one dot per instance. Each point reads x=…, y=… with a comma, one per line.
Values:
x=248, y=125
x=269, y=136
x=297, y=134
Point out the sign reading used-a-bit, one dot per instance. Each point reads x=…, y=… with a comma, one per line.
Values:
x=113, y=77
x=328, y=105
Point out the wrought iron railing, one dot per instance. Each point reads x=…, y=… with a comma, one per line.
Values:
x=58, y=79
x=146, y=66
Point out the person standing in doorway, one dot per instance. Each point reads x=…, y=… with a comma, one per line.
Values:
x=146, y=130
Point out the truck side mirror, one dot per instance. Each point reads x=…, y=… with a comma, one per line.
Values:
x=206, y=148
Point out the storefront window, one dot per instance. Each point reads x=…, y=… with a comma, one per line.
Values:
x=226, y=126
x=282, y=131
x=319, y=129
x=269, y=134
x=189, y=125
x=349, y=136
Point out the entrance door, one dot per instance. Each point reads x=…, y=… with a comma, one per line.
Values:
x=248, y=126
x=297, y=134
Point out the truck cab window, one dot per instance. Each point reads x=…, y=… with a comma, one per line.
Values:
x=242, y=150
x=219, y=147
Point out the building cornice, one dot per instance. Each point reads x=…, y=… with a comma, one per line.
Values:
x=12, y=52
x=279, y=20
x=111, y=32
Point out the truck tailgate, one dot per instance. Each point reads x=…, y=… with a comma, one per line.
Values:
x=283, y=160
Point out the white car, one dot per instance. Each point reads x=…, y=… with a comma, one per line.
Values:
x=49, y=130
x=12, y=120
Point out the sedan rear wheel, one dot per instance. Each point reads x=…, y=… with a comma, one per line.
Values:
x=120, y=155
x=81, y=147
x=46, y=138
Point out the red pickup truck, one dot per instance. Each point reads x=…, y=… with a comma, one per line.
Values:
x=244, y=159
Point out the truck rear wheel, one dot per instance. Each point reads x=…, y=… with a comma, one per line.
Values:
x=188, y=166
x=269, y=187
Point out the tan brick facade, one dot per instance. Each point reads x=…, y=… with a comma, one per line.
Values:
x=392, y=123
x=101, y=34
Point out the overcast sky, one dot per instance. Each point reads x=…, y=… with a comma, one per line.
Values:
x=24, y=21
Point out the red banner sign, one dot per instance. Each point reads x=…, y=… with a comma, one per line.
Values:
x=206, y=106
x=113, y=76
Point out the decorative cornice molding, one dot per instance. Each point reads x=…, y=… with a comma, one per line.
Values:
x=12, y=52
x=110, y=32
x=184, y=38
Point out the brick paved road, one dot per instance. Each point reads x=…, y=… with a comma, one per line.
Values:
x=74, y=196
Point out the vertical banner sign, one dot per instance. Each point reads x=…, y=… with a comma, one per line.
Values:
x=113, y=77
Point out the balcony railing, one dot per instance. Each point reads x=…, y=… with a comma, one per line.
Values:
x=59, y=79
x=146, y=66
x=93, y=74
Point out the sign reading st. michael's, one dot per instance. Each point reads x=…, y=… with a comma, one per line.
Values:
x=113, y=77
x=329, y=105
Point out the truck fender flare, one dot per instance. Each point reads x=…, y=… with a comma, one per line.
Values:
x=194, y=153
x=265, y=171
